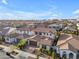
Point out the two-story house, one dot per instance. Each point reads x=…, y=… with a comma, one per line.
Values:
x=24, y=30
x=67, y=46
x=45, y=32
x=56, y=26
x=8, y=35
x=41, y=42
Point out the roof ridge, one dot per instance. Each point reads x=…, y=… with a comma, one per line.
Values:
x=32, y=37
x=65, y=41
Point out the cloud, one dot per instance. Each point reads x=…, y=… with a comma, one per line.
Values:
x=4, y=2
x=76, y=14
x=27, y=15
x=6, y=13
x=76, y=11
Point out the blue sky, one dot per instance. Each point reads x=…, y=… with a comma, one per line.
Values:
x=38, y=9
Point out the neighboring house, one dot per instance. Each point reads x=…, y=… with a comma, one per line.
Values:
x=56, y=26
x=41, y=42
x=32, y=25
x=41, y=25
x=23, y=36
x=11, y=38
x=15, y=38
x=77, y=26
x=8, y=30
x=45, y=32
x=8, y=34
x=25, y=30
x=67, y=46
x=70, y=30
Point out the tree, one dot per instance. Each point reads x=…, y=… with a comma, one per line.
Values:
x=2, y=39
x=53, y=55
x=21, y=44
x=37, y=57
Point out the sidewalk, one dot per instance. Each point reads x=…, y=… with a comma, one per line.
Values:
x=21, y=53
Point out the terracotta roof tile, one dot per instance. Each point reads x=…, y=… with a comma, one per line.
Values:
x=43, y=40
x=70, y=44
x=48, y=30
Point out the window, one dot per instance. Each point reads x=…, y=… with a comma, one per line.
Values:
x=64, y=55
x=50, y=34
x=44, y=33
x=49, y=27
x=36, y=33
x=40, y=33
x=8, y=39
x=47, y=34
x=43, y=46
x=71, y=56
x=54, y=27
x=77, y=54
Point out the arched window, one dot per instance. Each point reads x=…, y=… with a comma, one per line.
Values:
x=71, y=56
x=64, y=55
x=78, y=55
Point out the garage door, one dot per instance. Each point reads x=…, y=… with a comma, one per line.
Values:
x=32, y=43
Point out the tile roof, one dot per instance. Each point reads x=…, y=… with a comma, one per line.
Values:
x=22, y=36
x=42, y=40
x=48, y=30
x=69, y=28
x=25, y=28
x=5, y=31
x=70, y=43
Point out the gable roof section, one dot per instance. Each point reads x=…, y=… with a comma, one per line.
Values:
x=47, y=30
x=70, y=43
x=42, y=40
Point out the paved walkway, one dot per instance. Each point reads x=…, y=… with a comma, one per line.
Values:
x=21, y=53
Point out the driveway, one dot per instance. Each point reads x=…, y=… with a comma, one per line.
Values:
x=3, y=55
x=21, y=55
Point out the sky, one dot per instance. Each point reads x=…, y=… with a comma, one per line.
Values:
x=38, y=9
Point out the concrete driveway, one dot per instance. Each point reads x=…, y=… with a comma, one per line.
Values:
x=22, y=54
x=3, y=55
